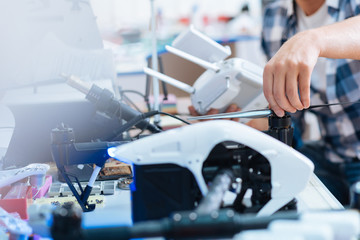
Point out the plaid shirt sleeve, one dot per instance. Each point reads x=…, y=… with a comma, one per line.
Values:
x=340, y=125
x=273, y=29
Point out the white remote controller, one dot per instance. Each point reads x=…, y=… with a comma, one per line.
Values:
x=35, y=171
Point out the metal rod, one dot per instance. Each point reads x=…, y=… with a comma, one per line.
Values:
x=248, y=114
x=154, y=62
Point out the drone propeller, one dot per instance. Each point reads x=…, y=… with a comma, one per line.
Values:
x=261, y=113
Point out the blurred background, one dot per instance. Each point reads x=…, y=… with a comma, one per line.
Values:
x=209, y=16
x=107, y=42
x=125, y=25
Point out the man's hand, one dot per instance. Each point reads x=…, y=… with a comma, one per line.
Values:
x=286, y=78
x=287, y=75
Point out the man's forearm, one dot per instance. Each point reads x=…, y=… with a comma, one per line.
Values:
x=339, y=40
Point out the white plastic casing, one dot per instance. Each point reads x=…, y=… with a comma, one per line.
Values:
x=201, y=46
x=238, y=81
x=189, y=147
x=324, y=225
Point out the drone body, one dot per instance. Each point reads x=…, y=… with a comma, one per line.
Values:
x=190, y=146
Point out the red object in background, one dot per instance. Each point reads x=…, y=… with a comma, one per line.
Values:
x=15, y=205
x=206, y=20
x=184, y=20
x=224, y=18
x=17, y=196
x=16, y=199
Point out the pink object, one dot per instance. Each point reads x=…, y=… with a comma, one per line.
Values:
x=39, y=193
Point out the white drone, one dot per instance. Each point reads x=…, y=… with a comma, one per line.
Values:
x=189, y=147
x=224, y=82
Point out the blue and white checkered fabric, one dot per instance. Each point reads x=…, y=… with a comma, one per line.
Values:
x=340, y=125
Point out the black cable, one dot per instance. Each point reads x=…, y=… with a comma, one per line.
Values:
x=133, y=91
x=168, y=114
x=142, y=117
x=132, y=122
x=105, y=102
x=148, y=83
x=141, y=132
x=147, y=88
x=163, y=84
x=138, y=135
x=331, y=104
x=173, y=116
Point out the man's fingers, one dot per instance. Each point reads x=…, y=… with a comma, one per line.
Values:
x=268, y=79
x=212, y=111
x=304, y=86
x=192, y=111
x=279, y=89
x=232, y=108
x=291, y=87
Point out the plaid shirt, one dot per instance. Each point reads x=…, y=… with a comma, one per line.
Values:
x=339, y=125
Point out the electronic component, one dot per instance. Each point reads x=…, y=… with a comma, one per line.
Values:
x=66, y=152
x=105, y=102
